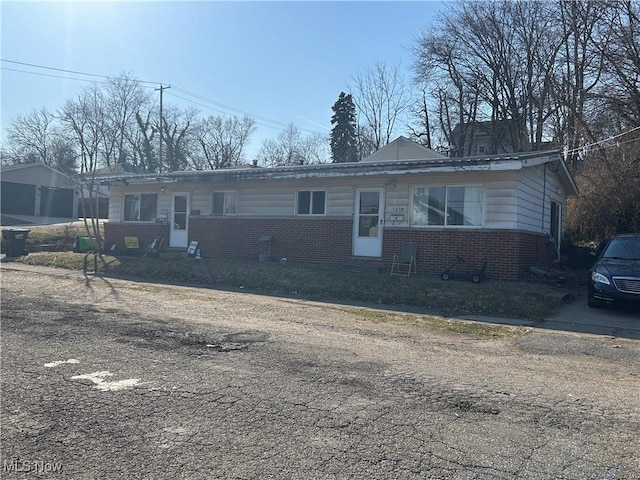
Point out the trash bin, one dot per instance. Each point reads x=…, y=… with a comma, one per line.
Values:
x=83, y=244
x=14, y=240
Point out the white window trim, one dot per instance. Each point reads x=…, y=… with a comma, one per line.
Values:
x=447, y=186
x=139, y=194
x=224, y=213
x=311, y=190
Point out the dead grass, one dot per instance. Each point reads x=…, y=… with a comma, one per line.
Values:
x=438, y=297
x=524, y=301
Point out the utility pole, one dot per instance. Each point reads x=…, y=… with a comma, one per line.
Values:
x=162, y=88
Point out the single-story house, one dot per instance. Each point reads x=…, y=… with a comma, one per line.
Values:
x=35, y=189
x=507, y=210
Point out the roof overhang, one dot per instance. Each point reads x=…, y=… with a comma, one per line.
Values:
x=508, y=162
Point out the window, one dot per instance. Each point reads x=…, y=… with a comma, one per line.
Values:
x=140, y=208
x=224, y=203
x=311, y=202
x=447, y=206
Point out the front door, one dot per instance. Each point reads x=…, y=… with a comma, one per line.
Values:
x=367, y=222
x=179, y=232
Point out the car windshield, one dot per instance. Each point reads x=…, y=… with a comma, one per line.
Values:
x=623, y=248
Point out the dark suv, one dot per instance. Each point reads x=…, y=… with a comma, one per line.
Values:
x=615, y=277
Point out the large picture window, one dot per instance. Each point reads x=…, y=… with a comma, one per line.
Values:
x=311, y=202
x=224, y=203
x=141, y=207
x=448, y=206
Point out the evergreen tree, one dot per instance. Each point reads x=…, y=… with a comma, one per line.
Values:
x=343, y=133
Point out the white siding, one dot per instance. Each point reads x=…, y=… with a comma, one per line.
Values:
x=536, y=190
x=512, y=199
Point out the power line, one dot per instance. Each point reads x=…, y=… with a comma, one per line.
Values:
x=279, y=126
x=106, y=77
x=276, y=124
x=594, y=144
x=53, y=76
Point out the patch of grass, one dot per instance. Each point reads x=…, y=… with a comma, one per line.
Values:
x=474, y=328
x=436, y=322
x=444, y=298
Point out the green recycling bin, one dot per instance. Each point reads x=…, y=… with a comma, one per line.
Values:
x=14, y=240
x=83, y=244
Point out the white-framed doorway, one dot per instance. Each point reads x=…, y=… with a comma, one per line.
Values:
x=368, y=219
x=179, y=228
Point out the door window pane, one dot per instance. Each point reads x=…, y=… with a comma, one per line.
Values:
x=368, y=226
x=369, y=202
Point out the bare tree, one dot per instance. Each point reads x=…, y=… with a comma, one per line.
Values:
x=619, y=44
x=124, y=99
x=581, y=66
x=292, y=148
x=422, y=130
x=220, y=141
x=316, y=149
x=175, y=126
x=30, y=137
x=143, y=144
x=285, y=150
x=381, y=98
x=85, y=119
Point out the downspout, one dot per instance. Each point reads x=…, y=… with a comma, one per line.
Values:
x=544, y=199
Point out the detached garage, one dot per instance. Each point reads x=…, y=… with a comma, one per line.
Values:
x=35, y=189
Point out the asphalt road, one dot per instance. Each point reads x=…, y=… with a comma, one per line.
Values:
x=105, y=378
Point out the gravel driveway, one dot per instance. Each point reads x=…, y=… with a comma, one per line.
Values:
x=105, y=378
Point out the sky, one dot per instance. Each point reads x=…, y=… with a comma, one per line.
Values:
x=280, y=62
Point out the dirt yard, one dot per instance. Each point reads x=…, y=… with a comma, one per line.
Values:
x=106, y=378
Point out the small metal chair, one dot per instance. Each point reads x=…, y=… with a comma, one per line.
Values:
x=404, y=262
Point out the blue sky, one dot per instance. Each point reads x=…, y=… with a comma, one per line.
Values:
x=282, y=61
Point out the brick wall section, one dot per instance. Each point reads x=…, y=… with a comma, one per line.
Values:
x=114, y=233
x=508, y=253
x=323, y=241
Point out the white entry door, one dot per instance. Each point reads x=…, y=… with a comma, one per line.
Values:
x=179, y=232
x=367, y=222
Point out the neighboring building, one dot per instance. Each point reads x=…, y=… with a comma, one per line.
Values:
x=487, y=138
x=35, y=189
x=502, y=209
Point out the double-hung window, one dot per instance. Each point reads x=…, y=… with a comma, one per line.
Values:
x=140, y=207
x=311, y=202
x=224, y=203
x=448, y=206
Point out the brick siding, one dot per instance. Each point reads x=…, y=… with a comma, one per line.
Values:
x=114, y=233
x=508, y=253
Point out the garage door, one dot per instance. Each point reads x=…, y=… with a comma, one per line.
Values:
x=18, y=198
x=56, y=202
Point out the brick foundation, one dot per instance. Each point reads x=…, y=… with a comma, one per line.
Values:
x=114, y=233
x=508, y=253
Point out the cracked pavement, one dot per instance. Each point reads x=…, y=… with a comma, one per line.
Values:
x=117, y=379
